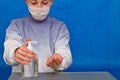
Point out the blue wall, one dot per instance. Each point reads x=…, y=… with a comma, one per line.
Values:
x=94, y=26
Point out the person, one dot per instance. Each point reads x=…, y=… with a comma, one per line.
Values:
x=51, y=34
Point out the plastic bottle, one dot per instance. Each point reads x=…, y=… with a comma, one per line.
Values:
x=31, y=69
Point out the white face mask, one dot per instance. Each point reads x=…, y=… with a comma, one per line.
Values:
x=39, y=13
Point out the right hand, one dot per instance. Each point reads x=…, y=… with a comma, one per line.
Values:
x=23, y=55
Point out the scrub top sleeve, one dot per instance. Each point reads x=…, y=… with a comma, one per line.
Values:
x=62, y=48
x=13, y=40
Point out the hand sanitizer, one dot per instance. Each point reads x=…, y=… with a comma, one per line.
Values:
x=31, y=69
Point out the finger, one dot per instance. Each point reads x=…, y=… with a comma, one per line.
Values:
x=20, y=61
x=53, y=64
x=26, y=43
x=52, y=58
x=27, y=50
x=57, y=61
x=55, y=57
x=29, y=53
x=52, y=61
x=23, y=58
x=23, y=53
x=50, y=65
x=59, y=57
x=48, y=62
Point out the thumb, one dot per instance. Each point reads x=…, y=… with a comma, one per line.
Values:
x=26, y=42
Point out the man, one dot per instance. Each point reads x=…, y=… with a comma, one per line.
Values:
x=51, y=34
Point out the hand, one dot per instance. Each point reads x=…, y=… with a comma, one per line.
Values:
x=24, y=55
x=54, y=61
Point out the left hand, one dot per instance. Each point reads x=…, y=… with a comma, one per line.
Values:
x=54, y=61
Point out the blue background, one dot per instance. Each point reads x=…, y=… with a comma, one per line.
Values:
x=94, y=26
